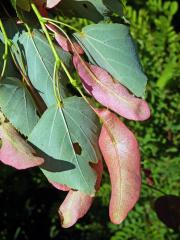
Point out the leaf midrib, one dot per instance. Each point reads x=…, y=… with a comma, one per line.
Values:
x=71, y=142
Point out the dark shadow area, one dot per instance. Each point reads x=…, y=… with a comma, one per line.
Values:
x=168, y=210
x=53, y=165
x=26, y=207
x=29, y=209
x=82, y=9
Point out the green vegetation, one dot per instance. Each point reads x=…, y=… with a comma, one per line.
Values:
x=26, y=213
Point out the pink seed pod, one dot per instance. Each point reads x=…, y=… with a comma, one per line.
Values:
x=120, y=150
x=63, y=42
x=109, y=92
x=76, y=203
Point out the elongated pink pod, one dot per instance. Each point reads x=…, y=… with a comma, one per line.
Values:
x=121, y=154
x=76, y=203
x=75, y=206
x=15, y=151
x=64, y=42
x=110, y=93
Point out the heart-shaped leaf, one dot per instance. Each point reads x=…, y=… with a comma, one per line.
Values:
x=111, y=47
x=14, y=150
x=72, y=136
x=17, y=105
x=109, y=92
x=121, y=154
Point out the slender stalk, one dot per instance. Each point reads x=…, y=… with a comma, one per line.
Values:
x=58, y=61
x=42, y=23
x=154, y=188
x=72, y=81
x=56, y=87
x=6, y=43
x=61, y=23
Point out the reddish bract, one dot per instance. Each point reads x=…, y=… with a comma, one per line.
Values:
x=63, y=42
x=109, y=92
x=121, y=154
x=76, y=203
x=15, y=151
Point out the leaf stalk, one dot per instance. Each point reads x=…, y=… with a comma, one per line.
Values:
x=6, y=50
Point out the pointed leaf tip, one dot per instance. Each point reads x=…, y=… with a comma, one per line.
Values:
x=121, y=154
x=109, y=92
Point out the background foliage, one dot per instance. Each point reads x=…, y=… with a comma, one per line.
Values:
x=26, y=213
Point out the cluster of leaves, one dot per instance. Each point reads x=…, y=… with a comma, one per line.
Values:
x=45, y=124
x=159, y=138
x=34, y=200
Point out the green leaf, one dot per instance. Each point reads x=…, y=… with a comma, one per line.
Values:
x=69, y=134
x=17, y=105
x=22, y=4
x=95, y=10
x=40, y=62
x=111, y=47
x=114, y=6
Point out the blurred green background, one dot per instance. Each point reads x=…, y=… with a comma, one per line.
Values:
x=28, y=204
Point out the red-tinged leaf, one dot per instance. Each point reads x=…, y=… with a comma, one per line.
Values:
x=109, y=92
x=64, y=42
x=76, y=203
x=15, y=151
x=60, y=186
x=52, y=3
x=121, y=154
